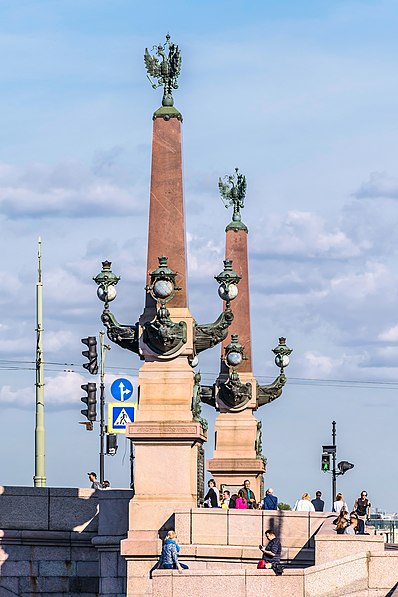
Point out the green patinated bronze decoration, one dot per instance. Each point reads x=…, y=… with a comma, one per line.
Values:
x=163, y=282
x=207, y=395
x=196, y=400
x=233, y=392
x=269, y=393
x=282, y=353
x=106, y=281
x=165, y=67
x=228, y=281
x=125, y=336
x=259, y=444
x=234, y=353
x=208, y=335
x=163, y=335
x=233, y=192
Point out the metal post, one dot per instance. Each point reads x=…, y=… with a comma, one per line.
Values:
x=39, y=478
x=334, y=476
x=103, y=348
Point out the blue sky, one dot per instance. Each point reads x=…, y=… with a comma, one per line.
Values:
x=302, y=96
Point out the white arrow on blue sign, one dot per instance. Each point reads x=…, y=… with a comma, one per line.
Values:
x=122, y=389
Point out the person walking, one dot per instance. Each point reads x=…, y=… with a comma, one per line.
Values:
x=339, y=503
x=317, y=502
x=304, y=505
x=270, y=501
x=248, y=494
x=95, y=484
x=362, y=510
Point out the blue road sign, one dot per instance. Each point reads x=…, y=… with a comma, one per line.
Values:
x=119, y=416
x=122, y=389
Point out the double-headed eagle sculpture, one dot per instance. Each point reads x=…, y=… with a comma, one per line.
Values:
x=165, y=66
x=233, y=191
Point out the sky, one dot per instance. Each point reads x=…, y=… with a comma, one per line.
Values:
x=302, y=97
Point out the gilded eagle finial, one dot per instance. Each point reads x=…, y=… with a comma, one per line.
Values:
x=165, y=67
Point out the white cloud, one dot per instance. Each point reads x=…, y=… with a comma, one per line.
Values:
x=302, y=235
x=61, y=390
x=389, y=335
x=380, y=184
x=69, y=189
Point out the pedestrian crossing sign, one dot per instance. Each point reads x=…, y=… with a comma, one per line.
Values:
x=119, y=415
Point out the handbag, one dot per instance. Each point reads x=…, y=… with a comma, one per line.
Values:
x=261, y=564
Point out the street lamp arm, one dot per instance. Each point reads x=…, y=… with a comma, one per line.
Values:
x=208, y=335
x=125, y=336
x=207, y=395
x=269, y=393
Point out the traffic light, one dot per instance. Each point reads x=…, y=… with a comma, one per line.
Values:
x=91, y=354
x=111, y=444
x=325, y=466
x=91, y=400
x=344, y=466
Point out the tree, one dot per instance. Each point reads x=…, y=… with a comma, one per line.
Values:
x=282, y=506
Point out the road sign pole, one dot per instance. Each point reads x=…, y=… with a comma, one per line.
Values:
x=334, y=476
x=103, y=348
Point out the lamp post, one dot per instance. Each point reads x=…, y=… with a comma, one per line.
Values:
x=103, y=348
x=39, y=478
x=342, y=467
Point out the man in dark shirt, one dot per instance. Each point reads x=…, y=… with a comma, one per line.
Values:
x=272, y=551
x=249, y=495
x=362, y=509
x=318, y=503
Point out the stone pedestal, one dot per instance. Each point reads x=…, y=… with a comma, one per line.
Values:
x=169, y=456
x=235, y=456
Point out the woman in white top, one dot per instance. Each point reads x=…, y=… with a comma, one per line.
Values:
x=339, y=503
x=304, y=505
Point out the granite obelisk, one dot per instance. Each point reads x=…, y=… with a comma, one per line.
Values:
x=238, y=447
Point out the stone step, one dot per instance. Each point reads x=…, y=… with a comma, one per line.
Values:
x=373, y=593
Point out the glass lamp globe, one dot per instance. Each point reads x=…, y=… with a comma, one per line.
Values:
x=228, y=293
x=234, y=358
x=163, y=288
x=282, y=361
x=194, y=362
x=106, y=295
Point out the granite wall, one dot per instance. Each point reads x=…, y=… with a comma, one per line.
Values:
x=62, y=541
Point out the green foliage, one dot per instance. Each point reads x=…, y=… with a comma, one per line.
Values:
x=282, y=506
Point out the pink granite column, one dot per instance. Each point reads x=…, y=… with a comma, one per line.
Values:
x=166, y=229
x=236, y=249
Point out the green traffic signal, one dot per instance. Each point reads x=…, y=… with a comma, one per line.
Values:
x=325, y=466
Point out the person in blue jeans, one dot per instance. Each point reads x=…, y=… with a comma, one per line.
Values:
x=170, y=550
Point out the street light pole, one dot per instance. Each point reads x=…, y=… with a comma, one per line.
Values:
x=334, y=475
x=39, y=478
x=103, y=348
